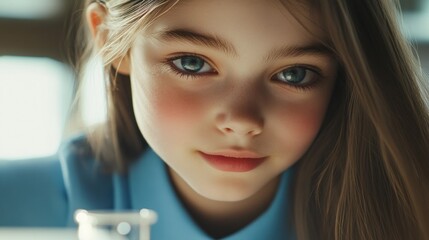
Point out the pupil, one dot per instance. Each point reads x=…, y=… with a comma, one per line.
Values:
x=295, y=75
x=192, y=64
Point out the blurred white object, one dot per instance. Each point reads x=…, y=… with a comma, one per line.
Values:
x=38, y=234
x=35, y=95
x=25, y=9
x=94, y=108
x=113, y=225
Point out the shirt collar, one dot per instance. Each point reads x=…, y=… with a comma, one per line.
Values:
x=150, y=187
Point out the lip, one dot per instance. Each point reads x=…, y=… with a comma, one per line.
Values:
x=233, y=160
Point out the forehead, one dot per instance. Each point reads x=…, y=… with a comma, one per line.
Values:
x=262, y=21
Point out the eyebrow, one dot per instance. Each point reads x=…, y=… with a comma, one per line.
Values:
x=202, y=39
x=212, y=41
x=297, y=51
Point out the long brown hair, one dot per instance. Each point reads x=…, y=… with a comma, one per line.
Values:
x=366, y=175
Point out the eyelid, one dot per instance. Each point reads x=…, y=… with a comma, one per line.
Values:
x=312, y=68
x=179, y=55
x=306, y=66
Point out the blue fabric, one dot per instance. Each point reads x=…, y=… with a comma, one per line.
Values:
x=47, y=192
x=32, y=193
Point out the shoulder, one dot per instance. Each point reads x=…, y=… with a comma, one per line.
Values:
x=75, y=154
x=87, y=184
x=32, y=192
x=45, y=191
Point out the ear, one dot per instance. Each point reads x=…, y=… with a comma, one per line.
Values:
x=95, y=15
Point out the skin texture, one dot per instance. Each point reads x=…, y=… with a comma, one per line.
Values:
x=237, y=104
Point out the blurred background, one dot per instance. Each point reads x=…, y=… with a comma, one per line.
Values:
x=37, y=79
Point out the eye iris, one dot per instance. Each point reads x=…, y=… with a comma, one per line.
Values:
x=294, y=75
x=192, y=64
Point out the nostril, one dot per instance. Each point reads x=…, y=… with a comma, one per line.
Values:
x=254, y=132
x=239, y=125
x=228, y=130
x=244, y=132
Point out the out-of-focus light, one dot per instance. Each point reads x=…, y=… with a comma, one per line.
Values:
x=28, y=9
x=415, y=24
x=35, y=96
x=93, y=96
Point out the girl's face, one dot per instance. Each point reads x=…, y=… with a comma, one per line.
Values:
x=230, y=93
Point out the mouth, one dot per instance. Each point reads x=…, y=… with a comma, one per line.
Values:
x=233, y=161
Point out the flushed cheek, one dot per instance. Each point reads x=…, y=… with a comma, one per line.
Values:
x=298, y=126
x=171, y=112
x=178, y=110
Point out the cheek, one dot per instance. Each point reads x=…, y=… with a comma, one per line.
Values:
x=299, y=125
x=164, y=113
x=308, y=119
x=175, y=112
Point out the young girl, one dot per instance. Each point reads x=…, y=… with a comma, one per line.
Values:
x=248, y=119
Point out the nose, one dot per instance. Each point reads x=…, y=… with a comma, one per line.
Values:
x=241, y=129
x=240, y=120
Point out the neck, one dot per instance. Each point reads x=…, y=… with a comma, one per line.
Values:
x=218, y=218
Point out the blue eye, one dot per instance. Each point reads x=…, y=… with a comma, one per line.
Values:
x=192, y=65
x=297, y=76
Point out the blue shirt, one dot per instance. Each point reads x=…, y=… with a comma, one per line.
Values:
x=46, y=193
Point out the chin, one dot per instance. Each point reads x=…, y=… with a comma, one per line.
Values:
x=227, y=191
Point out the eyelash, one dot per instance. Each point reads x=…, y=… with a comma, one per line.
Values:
x=189, y=75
